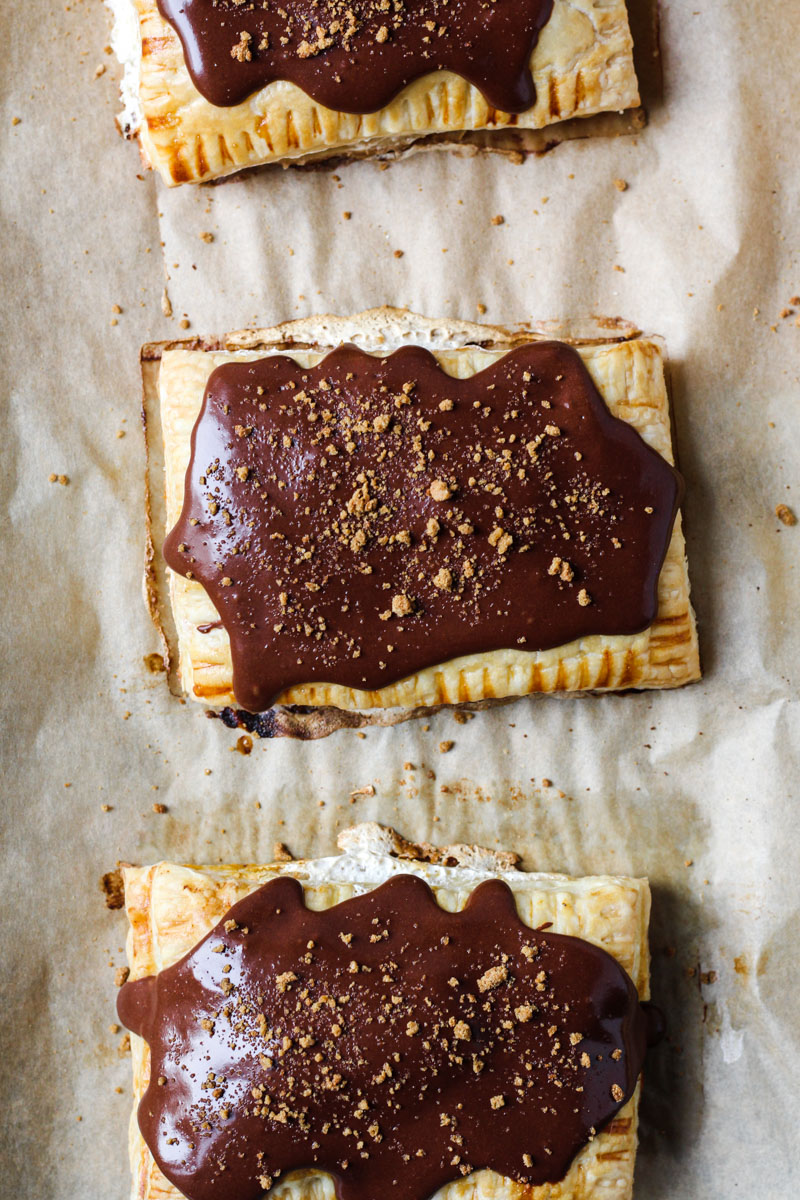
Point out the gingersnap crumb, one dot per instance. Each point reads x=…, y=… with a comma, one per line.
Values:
x=439, y=490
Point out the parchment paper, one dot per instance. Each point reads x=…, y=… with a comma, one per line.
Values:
x=697, y=788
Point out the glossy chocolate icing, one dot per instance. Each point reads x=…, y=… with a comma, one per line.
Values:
x=367, y=518
x=384, y=1040
x=355, y=57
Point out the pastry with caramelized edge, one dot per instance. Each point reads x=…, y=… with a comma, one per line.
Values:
x=212, y=87
x=436, y=513
x=300, y=1017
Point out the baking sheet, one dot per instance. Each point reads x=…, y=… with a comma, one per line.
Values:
x=696, y=788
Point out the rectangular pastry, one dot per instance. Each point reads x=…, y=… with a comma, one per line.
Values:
x=382, y=1021
x=215, y=86
x=386, y=512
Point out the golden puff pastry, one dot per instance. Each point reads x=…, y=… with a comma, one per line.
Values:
x=629, y=375
x=171, y=908
x=582, y=67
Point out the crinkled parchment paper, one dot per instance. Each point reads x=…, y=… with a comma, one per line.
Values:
x=697, y=788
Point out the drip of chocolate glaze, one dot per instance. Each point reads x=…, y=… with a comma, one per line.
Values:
x=384, y=1040
x=355, y=57
x=361, y=520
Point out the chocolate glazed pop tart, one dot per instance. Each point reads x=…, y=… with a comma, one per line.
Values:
x=214, y=86
x=381, y=1021
x=407, y=526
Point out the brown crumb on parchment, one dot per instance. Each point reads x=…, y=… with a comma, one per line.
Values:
x=785, y=514
x=445, y=747
x=121, y=976
x=280, y=853
x=621, y=185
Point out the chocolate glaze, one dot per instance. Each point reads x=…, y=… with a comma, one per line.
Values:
x=356, y=56
x=384, y=1040
x=319, y=536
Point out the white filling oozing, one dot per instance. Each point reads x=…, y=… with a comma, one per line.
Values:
x=126, y=43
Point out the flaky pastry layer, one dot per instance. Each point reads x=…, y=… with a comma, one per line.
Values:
x=629, y=376
x=170, y=908
x=582, y=65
